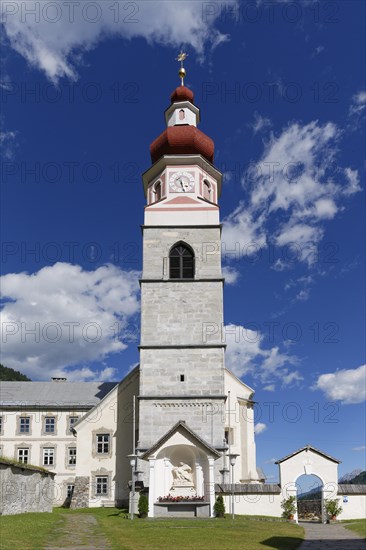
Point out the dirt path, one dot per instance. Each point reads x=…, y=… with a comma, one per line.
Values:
x=79, y=532
x=332, y=537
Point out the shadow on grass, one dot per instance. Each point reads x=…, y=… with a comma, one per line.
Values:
x=284, y=543
x=120, y=514
x=292, y=543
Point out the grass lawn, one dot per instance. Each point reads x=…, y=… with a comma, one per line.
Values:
x=32, y=531
x=357, y=525
x=28, y=531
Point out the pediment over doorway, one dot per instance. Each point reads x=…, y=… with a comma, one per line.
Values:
x=181, y=434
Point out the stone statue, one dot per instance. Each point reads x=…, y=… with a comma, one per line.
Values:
x=182, y=474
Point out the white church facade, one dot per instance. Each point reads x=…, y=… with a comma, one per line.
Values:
x=184, y=422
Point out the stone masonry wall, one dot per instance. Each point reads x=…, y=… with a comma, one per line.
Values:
x=202, y=368
x=181, y=313
x=25, y=490
x=80, y=497
x=204, y=416
x=205, y=241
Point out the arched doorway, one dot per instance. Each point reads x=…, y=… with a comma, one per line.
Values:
x=310, y=498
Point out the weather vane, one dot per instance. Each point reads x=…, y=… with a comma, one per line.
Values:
x=182, y=72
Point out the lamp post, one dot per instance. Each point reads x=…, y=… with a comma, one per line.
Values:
x=232, y=458
x=132, y=458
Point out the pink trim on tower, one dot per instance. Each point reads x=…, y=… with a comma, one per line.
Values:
x=181, y=209
x=182, y=200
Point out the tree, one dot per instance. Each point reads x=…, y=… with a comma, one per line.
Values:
x=219, y=507
x=10, y=375
x=143, y=506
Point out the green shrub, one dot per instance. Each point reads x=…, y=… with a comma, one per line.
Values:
x=333, y=507
x=289, y=507
x=143, y=506
x=219, y=507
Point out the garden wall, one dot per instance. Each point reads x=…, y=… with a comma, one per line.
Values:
x=25, y=489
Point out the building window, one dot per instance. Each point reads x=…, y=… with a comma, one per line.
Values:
x=23, y=455
x=182, y=377
x=181, y=262
x=103, y=443
x=48, y=456
x=49, y=424
x=101, y=485
x=1, y=424
x=72, y=421
x=24, y=424
x=229, y=436
x=70, y=491
x=72, y=456
x=206, y=190
x=182, y=116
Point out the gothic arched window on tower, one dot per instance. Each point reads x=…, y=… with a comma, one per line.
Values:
x=181, y=262
x=206, y=190
x=182, y=115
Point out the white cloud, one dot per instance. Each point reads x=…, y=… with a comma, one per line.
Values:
x=55, y=37
x=296, y=187
x=271, y=461
x=59, y=319
x=270, y=387
x=358, y=104
x=231, y=275
x=353, y=181
x=260, y=123
x=8, y=144
x=259, y=428
x=245, y=355
x=361, y=448
x=347, y=386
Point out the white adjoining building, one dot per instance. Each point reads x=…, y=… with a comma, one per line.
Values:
x=171, y=413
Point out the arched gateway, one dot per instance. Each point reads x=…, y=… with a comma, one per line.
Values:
x=309, y=461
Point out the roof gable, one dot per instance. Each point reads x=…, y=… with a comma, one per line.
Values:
x=181, y=425
x=309, y=448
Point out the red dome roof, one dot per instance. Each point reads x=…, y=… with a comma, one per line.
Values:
x=182, y=94
x=182, y=140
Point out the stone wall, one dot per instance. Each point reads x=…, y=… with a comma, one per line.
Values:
x=80, y=497
x=25, y=489
x=204, y=416
x=205, y=242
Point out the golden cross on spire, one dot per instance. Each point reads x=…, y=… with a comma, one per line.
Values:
x=182, y=56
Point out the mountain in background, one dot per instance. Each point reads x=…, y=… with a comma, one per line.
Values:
x=360, y=479
x=357, y=477
x=347, y=478
x=10, y=375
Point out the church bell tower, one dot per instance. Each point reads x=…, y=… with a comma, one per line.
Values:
x=181, y=352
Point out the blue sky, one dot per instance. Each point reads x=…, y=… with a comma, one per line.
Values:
x=281, y=87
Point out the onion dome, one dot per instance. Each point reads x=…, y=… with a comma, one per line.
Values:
x=182, y=140
x=182, y=93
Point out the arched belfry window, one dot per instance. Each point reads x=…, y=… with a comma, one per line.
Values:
x=181, y=262
x=206, y=190
x=182, y=115
x=158, y=191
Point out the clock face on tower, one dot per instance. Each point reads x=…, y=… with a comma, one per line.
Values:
x=181, y=182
